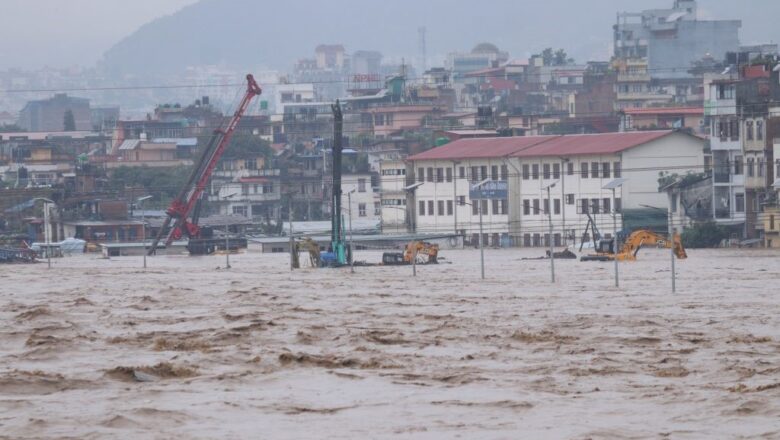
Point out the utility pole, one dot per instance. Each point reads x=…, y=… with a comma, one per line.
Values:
x=549, y=217
x=141, y=200
x=615, y=238
x=455, y=194
x=481, y=240
x=292, y=236
x=351, y=237
x=671, y=243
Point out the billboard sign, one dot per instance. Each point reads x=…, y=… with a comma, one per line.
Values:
x=492, y=190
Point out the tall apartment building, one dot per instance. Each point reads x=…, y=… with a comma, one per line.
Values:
x=655, y=50
x=49, y=114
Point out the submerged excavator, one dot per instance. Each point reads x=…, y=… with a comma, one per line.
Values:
x=422, y=252
x=630, y=248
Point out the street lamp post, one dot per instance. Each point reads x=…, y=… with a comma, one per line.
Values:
x=140, y=202
x=481, y=234
x=549, y=218
x=614, y=185
x=227, y=232
x=47, y=226
x=351, y=237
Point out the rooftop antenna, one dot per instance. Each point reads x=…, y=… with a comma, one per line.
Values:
x=421, y=31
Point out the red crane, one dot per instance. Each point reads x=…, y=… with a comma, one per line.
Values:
x=184, y=211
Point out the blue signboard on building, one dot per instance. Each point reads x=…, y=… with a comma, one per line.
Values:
x=492, y=190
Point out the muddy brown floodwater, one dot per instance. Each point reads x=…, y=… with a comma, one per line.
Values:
x=97, y=348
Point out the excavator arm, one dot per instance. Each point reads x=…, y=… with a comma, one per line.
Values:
x=637, y=239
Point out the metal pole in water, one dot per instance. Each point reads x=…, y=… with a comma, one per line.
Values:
x=552, y=250
x=481, y=241
x=615, y=238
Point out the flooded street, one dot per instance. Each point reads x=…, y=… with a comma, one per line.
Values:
x=99, y=348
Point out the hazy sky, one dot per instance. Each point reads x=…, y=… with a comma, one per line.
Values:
x=35, y=33
x=60, y=33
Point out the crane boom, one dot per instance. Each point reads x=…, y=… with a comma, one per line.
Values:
x=185, y=203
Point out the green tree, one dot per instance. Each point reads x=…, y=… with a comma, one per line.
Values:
x=548, y=56
x=561, y=58
x=704, y=235
x=69, y=121
x=13, y=128
x=246, y=146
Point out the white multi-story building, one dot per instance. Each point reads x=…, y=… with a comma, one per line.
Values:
x=392, y=183
x=727, y=156
x=366, y=203
x=576, y=168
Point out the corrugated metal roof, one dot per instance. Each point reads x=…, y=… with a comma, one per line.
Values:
x=478, y=148
x=665, y=111
x=586, y=144
x=537, y=146
x=130, y=144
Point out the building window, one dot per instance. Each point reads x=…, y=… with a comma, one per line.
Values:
x=546, y=206
x=546, y=171
x=449, y=207
x=430, y=208
x=361, y=209
x=537, y=240
x=504, y=173
x=239, y=210
x=535, y=171
x=461, y=200
x=583, y=208
x=526, y=207
x=606, y=205
x=557, y=206
x=584, y=170
x=557, y=240
x=377, y=208
x=440, y=211
x=475, y=207
x=751, y=167
x=738, y=166
x=761, y=167
x=556, y=171
x=422, y=208
x=484, y=206
x=440, y=174
x=594, y=170
x=462, y=172
x=739, y=200
x=430, y=174
x=594, y=206
x=527, y=240
x=362, y=185
x=605, y=170
x=617, y=169
x=449, y=174
x=421, y=174
x=504, y=207
x=495, y=207
x=570, y=168
x=569, y=199
x=526, y=172
x=749, y=130
x=484, y=173
x=475, y=174
x=618, y=205
x=759, y=130
x=494, y=172
x=537, y=211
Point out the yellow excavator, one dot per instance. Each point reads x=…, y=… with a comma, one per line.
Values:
x=310, y=246
x=413, y=250
x=633, y=243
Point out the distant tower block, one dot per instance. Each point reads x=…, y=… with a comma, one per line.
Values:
x=423, y=48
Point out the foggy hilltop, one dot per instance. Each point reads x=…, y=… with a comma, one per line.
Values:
x=259, y=33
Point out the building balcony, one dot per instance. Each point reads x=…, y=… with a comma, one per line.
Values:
x=633, y=78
